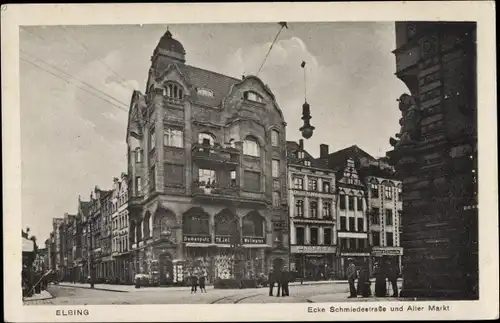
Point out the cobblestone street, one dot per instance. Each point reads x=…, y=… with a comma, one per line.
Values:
x=80, y=295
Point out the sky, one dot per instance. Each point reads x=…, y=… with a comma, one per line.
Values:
x=72, y=140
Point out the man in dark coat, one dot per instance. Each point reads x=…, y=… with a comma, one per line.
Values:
x=285, y=279
x=271, y=280
x=279, y=281
x=392, y=276
x=351, y=277
x=380, y=275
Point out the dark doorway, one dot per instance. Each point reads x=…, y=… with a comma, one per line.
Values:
x=166, y=269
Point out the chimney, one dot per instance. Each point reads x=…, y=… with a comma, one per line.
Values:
x=323, y=151
x=301, y=144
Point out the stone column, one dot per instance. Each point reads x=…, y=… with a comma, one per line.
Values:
x=321, y=238
x=306, y=207
x=307, y=237
x=293, y=238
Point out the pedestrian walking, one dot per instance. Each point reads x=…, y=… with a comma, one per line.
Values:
x=271, y=281
x=392, y=276
x=285, y=279
x=364, y=281
x=351, y=277
x=380, y=286
x=201, y=283
x=194, y=283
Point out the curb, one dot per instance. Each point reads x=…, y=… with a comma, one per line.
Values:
x=39, y=299
x=95, y=288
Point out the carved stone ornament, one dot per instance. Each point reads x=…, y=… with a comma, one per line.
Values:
x=409, y=122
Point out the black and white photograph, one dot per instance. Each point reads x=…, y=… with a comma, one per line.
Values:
x=331, y=165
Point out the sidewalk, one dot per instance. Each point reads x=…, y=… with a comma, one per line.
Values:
x=131, y=288
x=38, y=297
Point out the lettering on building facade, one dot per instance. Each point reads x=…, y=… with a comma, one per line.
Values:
x=253, y=240
x=197, y=239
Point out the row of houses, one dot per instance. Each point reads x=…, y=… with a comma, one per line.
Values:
x=213, y=186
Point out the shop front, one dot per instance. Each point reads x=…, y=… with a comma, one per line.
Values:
x=313, y=262
x=387, y=255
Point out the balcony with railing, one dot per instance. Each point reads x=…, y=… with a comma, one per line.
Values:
x=208, y=156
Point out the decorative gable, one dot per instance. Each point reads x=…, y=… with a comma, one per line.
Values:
x=350, y=175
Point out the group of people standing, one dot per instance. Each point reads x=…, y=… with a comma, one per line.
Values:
x=280, y=278
x=382, y=272
x=198, y=281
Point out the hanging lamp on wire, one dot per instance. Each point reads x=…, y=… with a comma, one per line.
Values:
x=306, y=129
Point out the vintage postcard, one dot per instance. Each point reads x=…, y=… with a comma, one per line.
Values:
x=319, y=162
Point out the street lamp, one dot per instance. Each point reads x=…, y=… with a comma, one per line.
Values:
x=306, y=129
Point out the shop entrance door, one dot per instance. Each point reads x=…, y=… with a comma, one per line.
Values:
x=166, y=269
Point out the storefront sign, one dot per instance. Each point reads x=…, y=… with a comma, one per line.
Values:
x=197, y=239
x=253, y=240
x=313, y=249
x=222, y=239
x=387, y=252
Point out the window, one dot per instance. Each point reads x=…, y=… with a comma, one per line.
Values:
x=388, y=217
x=251, y=148
x=252, y=96
x=299, y=236
x=390, y=239
x=173, y=138
x=314, y=236
x=343, y=223
x=352, y=227
x=359, y=202
x=374, y=190
x=196, y=224
x=307, y=163
x=313, y=185
x=361, y=223
x=327, y=209
x=276, y=199
x=174, y=174
x=400, y=194
x=298, y=183
x=205, y=92
x=152, y=138
x=206, y=177
x=299, y=208
x=253, y=225
x=342, y=202
x=313, y=209
x=152, y=178
x=376, y=239
x=275, y=138
x=275, y=168
x=326, y=187
x=375, y=215
x=350, y=202
x=251, y=181
x=301, y=154
x=206, y=139
x=388, y=192
x=138, y=155
x=233, y=178
x=327, y=236
x=173, y=91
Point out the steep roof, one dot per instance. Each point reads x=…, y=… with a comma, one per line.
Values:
x=292, y=149
x=339, y=158
x=199, y=78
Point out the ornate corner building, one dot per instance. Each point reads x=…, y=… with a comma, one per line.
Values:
x=435, y=154
x=207, y=172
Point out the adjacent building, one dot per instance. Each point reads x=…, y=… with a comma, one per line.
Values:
x=312, y=210
x=207, y=167
x=122, y=271
x=368, y=209
x=435, y=154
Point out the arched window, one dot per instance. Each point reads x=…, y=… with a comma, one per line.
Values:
x=275, y=138
x=196, y=222
x=206, y=137
x=226, y=223
x=173, y=91
x=252, y=96
x=163, y=223
x=251, y=147
x=253, y=225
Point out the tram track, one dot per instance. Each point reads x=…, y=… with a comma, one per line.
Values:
x=233, y=301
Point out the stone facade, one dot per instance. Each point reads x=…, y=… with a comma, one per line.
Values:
x=437, y=159
x=200, y=164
